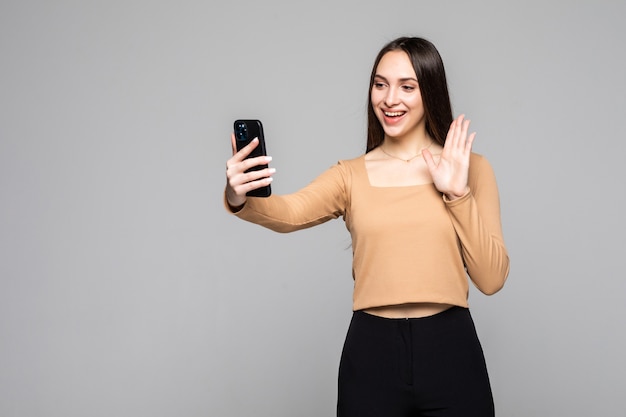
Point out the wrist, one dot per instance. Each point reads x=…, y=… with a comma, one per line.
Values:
x=235, y=203
x=455, y=196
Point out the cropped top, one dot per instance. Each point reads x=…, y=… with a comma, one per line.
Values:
x=409, y=243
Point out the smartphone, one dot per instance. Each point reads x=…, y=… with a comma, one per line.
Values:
x=245, y=131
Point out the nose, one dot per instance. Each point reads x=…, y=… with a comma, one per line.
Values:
x=391, y=98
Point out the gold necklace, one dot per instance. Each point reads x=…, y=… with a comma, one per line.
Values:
x=411, y=158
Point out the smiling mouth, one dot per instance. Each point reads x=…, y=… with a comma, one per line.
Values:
x=393, y=113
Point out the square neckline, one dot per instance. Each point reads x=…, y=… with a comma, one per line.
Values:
x=368, y=181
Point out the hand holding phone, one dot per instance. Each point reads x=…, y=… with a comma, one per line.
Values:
x=245, y=131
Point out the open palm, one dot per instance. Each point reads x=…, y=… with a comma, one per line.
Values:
x=450, y=173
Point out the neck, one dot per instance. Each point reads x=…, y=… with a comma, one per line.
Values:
x=403, y=156
x=406, y=148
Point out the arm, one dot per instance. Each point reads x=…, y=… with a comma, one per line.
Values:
x=323, y=199
x=471, y=196
x=476, y=219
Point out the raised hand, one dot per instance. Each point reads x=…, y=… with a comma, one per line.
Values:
x=450, y=173
x=238, y=181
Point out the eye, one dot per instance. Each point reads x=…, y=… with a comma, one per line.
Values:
x=379, y=85
x=408, y=88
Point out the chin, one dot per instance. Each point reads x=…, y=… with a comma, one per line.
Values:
x=393, y=133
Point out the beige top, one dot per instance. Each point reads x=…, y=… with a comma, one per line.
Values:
x=410, y=245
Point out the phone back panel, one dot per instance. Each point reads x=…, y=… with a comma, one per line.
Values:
x=246, y=130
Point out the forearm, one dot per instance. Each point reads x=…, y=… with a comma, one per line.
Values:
x=482, y=245
x=323, y=199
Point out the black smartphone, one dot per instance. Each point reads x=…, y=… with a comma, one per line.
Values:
x=245, y=131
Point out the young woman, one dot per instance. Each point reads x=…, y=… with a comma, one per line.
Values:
x=423, y=212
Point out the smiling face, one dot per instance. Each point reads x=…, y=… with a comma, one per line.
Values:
x=396, y=98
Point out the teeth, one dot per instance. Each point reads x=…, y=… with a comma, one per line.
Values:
x=393, y=113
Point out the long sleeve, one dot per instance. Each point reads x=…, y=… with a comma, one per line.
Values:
x=325, y=198
x=408, y=245
x=476, y=219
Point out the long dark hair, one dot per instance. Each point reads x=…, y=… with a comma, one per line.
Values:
x=431, y=78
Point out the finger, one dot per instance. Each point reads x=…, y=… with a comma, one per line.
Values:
x=465, y=128
x=469, y=142
x=460, y=132
x=256, y=174
x=241, y=155
x=233, y=143
x=430, y=162
x=248, y=163
x=246, y=150
x=453, y=133
x=447, y=145
x=463, y=135
x=231, y=160
x=243, y=172
x=253, y=185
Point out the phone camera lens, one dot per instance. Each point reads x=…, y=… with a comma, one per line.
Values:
x=242, y=132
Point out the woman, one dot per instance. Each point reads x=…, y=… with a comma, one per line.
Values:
x=423, y=212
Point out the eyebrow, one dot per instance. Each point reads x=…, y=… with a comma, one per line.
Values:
x=401, y=79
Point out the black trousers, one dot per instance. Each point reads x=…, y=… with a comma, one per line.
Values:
x=431, y=366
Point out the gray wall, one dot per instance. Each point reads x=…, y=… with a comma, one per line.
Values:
x=126, y=289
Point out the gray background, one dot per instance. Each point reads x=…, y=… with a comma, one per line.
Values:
x=127, y=290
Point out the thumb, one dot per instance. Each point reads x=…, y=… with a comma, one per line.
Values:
x=430, y=162
x=232, y=143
